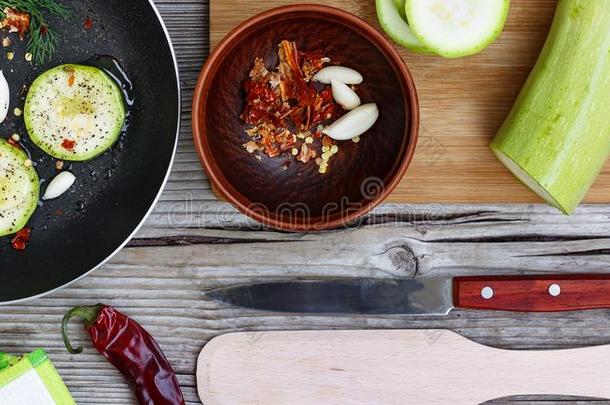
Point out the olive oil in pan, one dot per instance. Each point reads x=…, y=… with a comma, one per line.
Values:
x=113, y=68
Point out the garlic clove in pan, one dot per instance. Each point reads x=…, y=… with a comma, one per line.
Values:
x=5, y=97
x=59, y=185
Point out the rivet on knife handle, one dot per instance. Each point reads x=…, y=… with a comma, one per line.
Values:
x=533, y=293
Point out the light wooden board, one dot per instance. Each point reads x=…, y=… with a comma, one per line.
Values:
x=192, y=243
x=463, y=104
x=400, y=367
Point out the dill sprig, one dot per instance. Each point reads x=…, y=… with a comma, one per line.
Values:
x=43, y=39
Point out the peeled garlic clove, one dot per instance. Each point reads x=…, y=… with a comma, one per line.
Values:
x=59, y=185
x=354, y=123
x=5, y=97
x=344, y=95
x=339, y=73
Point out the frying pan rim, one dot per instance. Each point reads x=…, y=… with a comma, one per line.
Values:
x=161, y=188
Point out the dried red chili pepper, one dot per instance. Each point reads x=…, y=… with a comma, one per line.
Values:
x=132, y=350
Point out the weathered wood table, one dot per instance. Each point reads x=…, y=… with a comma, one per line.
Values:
x=192, y=242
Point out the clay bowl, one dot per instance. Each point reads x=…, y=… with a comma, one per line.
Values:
x=360, y=176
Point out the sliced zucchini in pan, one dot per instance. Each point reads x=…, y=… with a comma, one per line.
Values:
x=74, y=112
x=19, y=188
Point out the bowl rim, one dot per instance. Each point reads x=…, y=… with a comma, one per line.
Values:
x=210, y=69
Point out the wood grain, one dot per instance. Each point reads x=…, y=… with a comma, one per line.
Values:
x=192, y=243
x=161, y=279
x=463, y=104
x=432, y=367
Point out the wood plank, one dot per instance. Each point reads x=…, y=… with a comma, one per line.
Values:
x=463, y=103
x=163, y=286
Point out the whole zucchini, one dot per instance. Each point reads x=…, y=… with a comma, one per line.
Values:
x=557, y=137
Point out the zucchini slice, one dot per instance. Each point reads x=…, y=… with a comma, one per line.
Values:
x=394, y=24
x=456, y=28
x=400, y=6
x=74, y=112
x=19, y=188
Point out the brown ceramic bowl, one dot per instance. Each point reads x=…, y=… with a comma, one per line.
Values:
x=360, y=175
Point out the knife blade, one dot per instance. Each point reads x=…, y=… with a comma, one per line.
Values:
x=423, y=296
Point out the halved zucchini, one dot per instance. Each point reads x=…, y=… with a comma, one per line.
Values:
x=556, y=139
x=19, y=188
x=455, y=28
x=74, y=112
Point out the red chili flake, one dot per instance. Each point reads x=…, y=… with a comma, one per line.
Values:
x=16, y=21
x=71, y=79
x=59, y=212
x=68, y=144
x=13, y=143
x=284, y=105
x=43, y=30
x=88, y=23
x=21, y=239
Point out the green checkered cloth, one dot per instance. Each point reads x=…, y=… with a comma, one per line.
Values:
x=31, y=379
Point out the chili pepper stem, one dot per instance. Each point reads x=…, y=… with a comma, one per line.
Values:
x=88, y=313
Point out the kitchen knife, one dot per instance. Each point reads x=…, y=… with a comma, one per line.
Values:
x=424, y=296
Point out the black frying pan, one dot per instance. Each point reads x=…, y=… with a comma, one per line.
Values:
x=113, y=193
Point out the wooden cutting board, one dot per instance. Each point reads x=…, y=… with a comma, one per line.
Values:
x=463, y=103
x=401, y=367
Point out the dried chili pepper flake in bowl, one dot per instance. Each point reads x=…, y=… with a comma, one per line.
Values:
x=288, y=106
x=266, y=129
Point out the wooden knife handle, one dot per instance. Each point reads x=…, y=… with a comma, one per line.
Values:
x=533, y=293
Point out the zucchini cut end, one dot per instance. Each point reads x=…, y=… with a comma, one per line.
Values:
x=529, y=181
